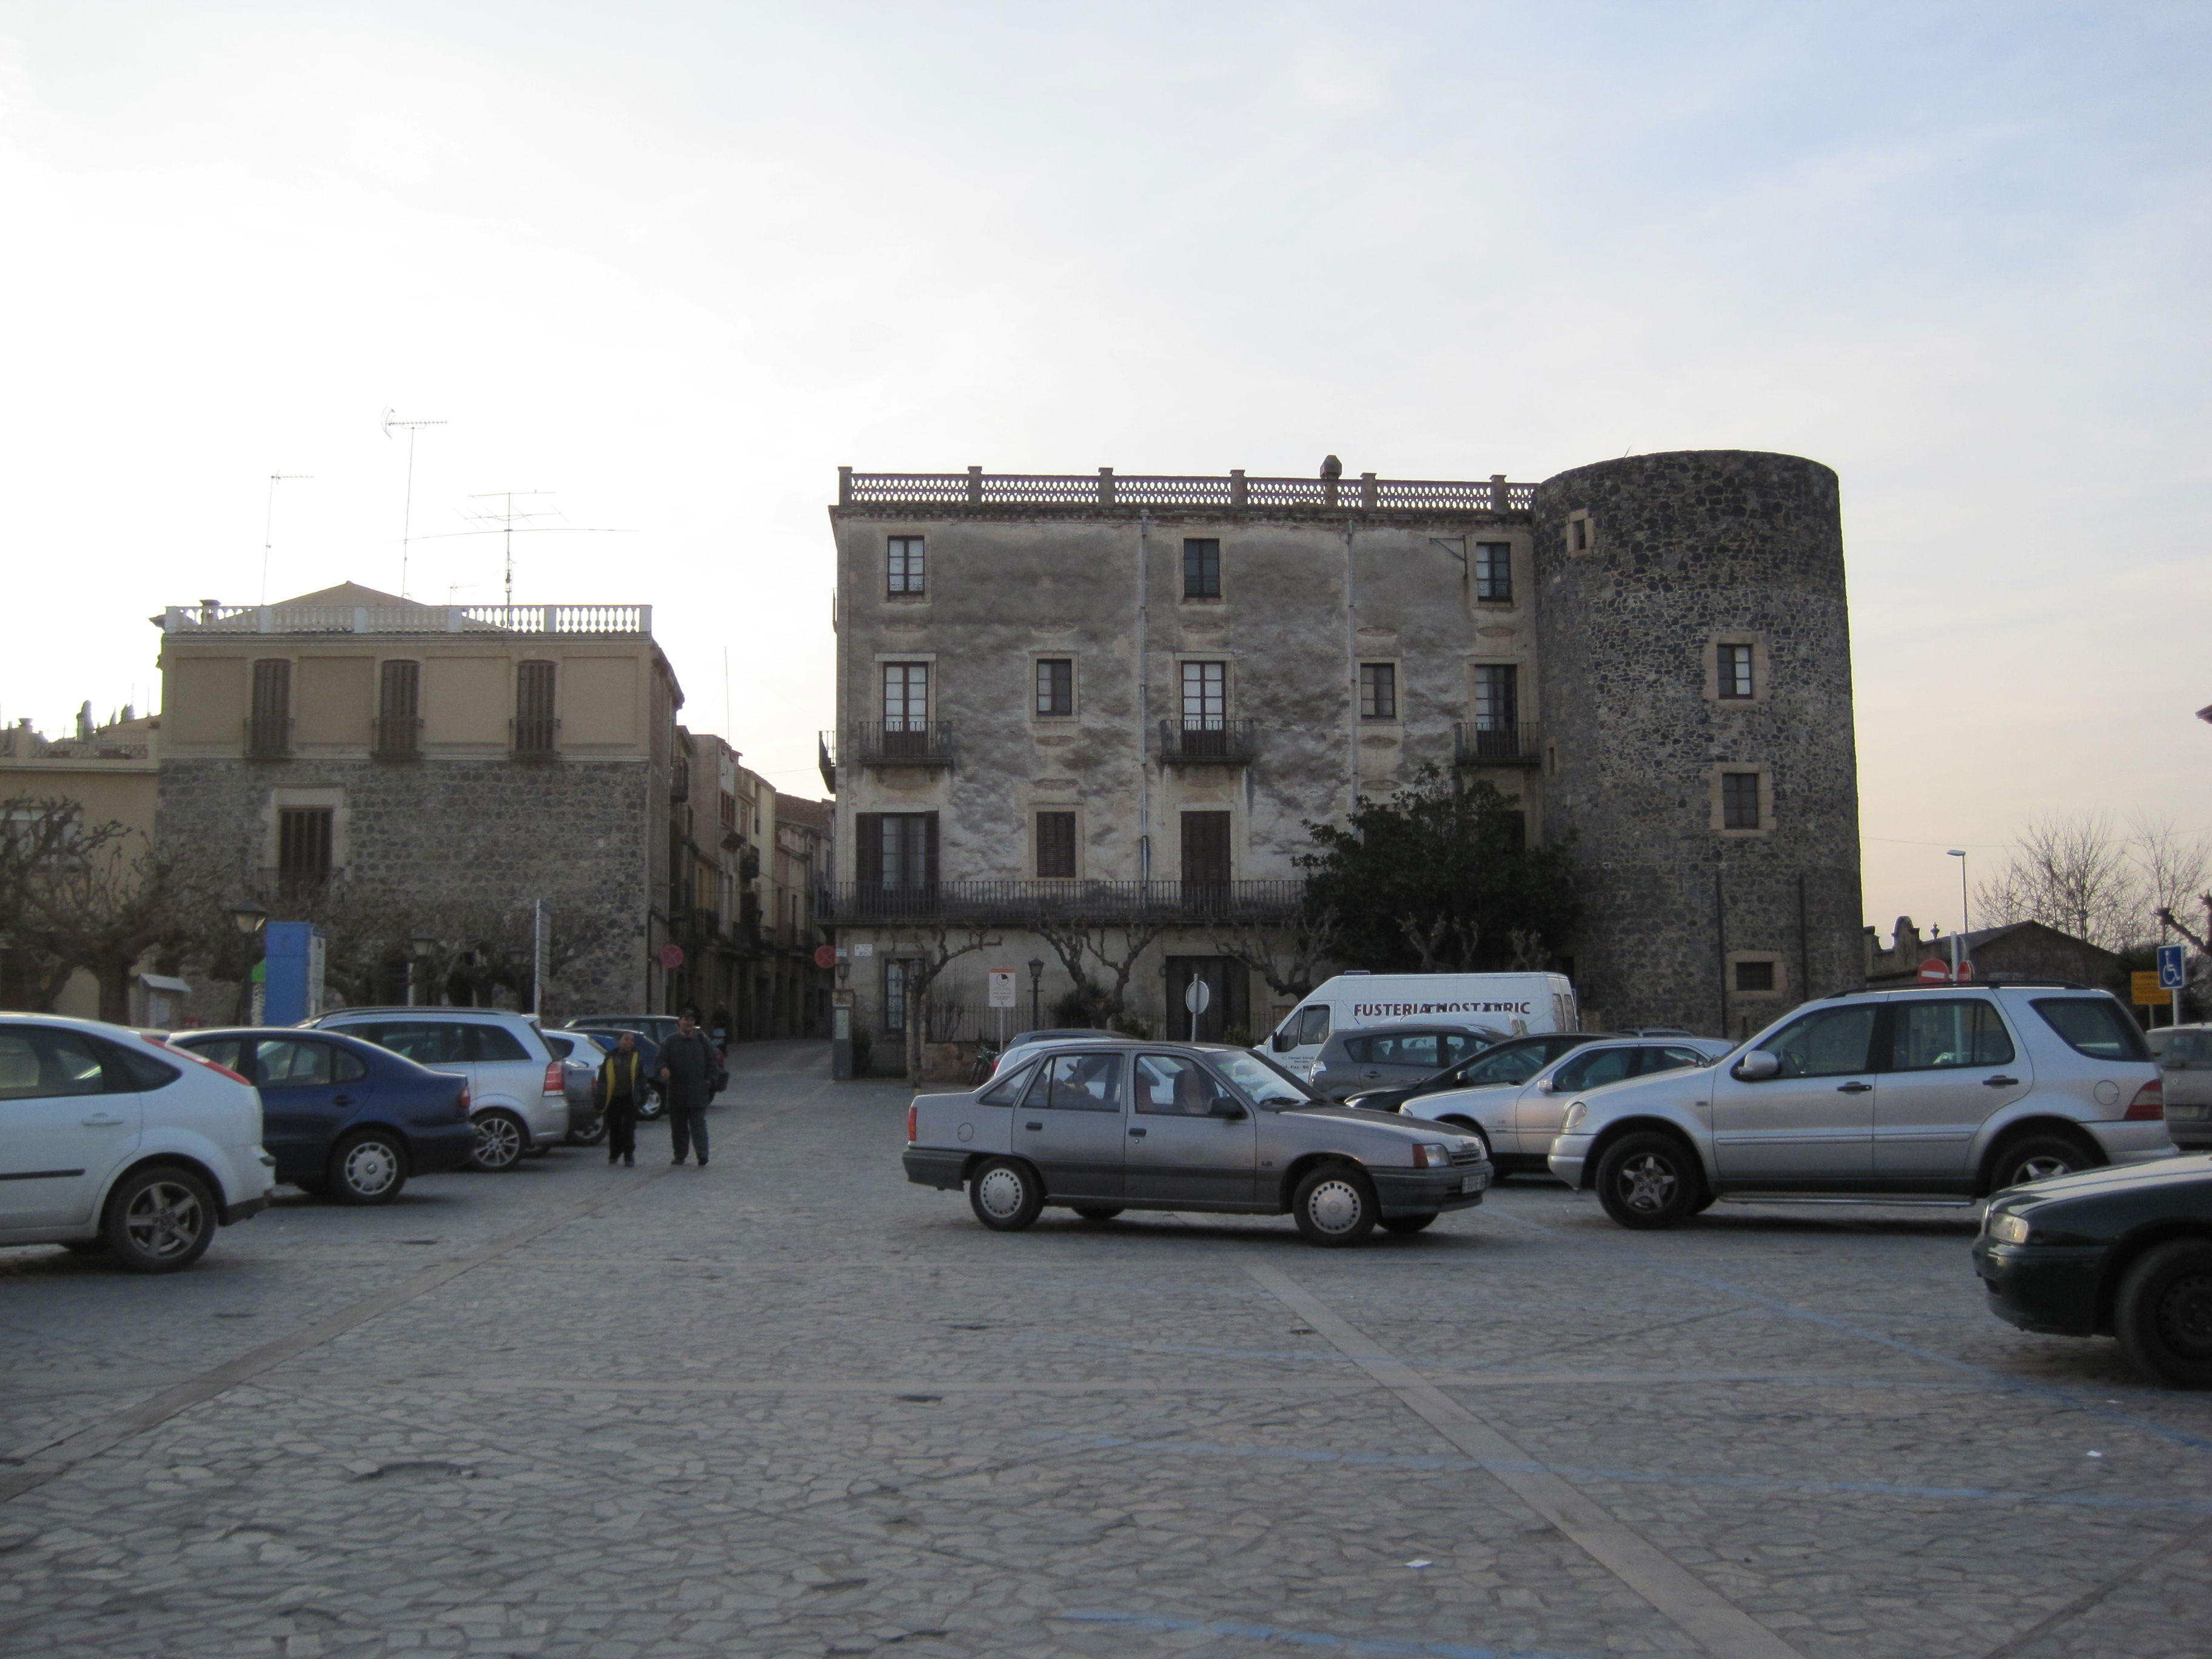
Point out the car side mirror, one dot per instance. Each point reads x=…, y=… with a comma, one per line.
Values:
x=1280, y=1042
x=1543, y=1085
x=1224, y=1109
x=1758, y=1067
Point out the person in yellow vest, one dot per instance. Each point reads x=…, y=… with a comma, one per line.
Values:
x=620, y=1086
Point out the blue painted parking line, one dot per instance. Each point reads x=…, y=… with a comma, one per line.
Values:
x=1162, y=1624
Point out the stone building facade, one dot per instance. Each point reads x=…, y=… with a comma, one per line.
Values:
x=1116, y=702
x=419, y=777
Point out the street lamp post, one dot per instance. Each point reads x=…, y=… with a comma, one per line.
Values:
x=1036, y=994
x=249, y=918
x=1965, y=922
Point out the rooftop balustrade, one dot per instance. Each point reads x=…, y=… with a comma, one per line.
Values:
x=1233, y=492
x=572, y=619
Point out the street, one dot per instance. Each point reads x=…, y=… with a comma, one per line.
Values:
x=791, y=1405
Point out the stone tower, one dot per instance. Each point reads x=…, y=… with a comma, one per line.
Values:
x=1695, y=679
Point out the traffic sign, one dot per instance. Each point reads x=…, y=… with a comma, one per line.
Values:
x=671, y=956
x=1198, y=996
x=2172, y=974
x=1002, y=989
x=2149, y=992
x=825, y=956
x=1935, y=971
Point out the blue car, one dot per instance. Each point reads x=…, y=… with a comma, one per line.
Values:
x=605, y=1036
x=342, y=1116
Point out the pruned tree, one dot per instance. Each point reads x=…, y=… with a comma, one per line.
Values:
x=1438, y=875
x=2084, y=877
x=933, y=952
x=1288, y=957
x=1116, y=947
x=103, y=905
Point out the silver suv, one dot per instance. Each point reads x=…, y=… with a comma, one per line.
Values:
x=1944, y=1093
x=517, y=1088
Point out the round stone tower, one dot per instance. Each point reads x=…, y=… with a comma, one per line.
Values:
x=1694, y=691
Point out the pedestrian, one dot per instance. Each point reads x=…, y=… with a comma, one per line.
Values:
x=688, y=1065
x=619, y=1087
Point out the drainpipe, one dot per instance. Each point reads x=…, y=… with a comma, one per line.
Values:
x=1352, y=658
x=1144, y=694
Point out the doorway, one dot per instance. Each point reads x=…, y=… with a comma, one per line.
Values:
x=1230, y=981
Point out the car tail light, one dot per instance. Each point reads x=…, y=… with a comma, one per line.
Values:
x=911, y=1113
x=2150, y=1103
x=464, y=1102
x=198, y=1060
x=553, y=1083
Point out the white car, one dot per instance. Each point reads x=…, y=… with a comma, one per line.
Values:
x=114, y=1141
x=518, y=1087
x=1519, y=1120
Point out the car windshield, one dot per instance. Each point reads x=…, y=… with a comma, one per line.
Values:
x=1264, y=1083
x=1513, y=1066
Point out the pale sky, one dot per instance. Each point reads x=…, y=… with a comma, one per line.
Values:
x=675, y=263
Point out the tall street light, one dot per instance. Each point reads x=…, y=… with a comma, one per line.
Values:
x=1037, y=993
x=1966, y=923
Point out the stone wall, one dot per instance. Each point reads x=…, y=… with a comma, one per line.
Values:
x=460, y=837
x=1683, y=550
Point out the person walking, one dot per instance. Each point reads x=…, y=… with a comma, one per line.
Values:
x=688, y=1066
x=619, y=1087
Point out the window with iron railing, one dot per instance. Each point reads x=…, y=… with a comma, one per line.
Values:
x=1496, y=696
x=269, y=726
x=303, y=845
x=398, y=710
x=1055, y=846
x=536, y=729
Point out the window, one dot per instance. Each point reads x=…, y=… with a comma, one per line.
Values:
x=896, y=852
x=1204, y=695
x=1942, y=1033
x=1735, y=662
x=535, y=727
x=1007, y=1091
x=1205, y=848
x=1671, y=1059
x=1831, y=1043
x=1580, y=537
x=1378, y=691
x=896, y=969
x=1078, y=1082
x=1593, y=1070
x=1055, y=686
x=398, y=705
x=1312, y=1026
x=1739, y=801
x=1754, y=975
x=727, y=806
x=902, y=561
x=269, y=730
x=906, y=696
x=1055, y=846
x=284, y=1063
x=1496, y=696
x=1170, y=1086
x=2093, y=1026
x=425, y=1042
x=39, y=1063
x=488, y=1042
x=1493, y=571
x=1458, y=1048
x=303, y=844
x=1201, y=568
x=1511, y=1066
x=1414, y=1049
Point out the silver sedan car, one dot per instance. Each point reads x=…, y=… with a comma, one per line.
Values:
x=1517, y=1120
x=1107, y=1126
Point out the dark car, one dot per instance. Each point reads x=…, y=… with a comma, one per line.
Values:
x=342, y=1116
x=606, y=1036
x=1514, y=1061
x=2123, y=1251
x=1366, y=1059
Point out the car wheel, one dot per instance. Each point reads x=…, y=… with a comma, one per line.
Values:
x=1006, y=1195
x=1334, y=1205
x=650, y=1104
x=368, y=1168
x=2038, y=1158
x=2163, y=1314
x=160, y=1219
x=592, y=1134
x=1407, y=1223
x=500, y=1140
x=1097, y=1212
x=1649, y=1181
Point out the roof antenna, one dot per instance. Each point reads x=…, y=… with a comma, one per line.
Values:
x=407, y=511
x=510, y=523
x=269, y=525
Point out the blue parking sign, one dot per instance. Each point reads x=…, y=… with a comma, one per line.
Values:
x=2170, y=975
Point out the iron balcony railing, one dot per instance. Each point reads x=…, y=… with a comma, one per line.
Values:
x=396, y=736
x=827, y=759
x=1209, y=742
x=1475, y=743
x=1233, y=492
x=268, y=737
x=898, y=743
x=1013, y=901
x=537, y=735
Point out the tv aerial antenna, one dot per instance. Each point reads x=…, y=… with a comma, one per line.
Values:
x=407, y=511
x=508, y=522
x=269, y=523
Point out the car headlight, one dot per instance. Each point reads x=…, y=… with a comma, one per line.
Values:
x=1431, y=1155
x=2008, y=1227
x=1573, y=1120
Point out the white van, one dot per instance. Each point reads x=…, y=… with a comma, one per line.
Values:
x=1510, y=1003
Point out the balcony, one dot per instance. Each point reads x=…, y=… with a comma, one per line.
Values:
x=396, y=737
x=1017, y=903
x=900, y=743
x=679, y=780
x=1210, y=742
x=826, y=759
x=1475, y=744
x=268, y=737
x=536, y=737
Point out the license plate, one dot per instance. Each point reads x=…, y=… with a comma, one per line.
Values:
x=1474, y=1183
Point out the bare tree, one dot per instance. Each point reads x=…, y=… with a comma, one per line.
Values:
x=935, y=953
x=102, y=907
x=1440, y=942
x=1288, y=957
x=2171, y=869
x=2073, y=874
x=1074, y=942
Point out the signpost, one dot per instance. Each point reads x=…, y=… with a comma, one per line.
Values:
x=1934, y=972
x=1197, y=997
x=1002, y=998
x=2149, y=992
x=2172, y=974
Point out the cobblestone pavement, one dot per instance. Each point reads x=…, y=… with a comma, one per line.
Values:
x=790, y=1405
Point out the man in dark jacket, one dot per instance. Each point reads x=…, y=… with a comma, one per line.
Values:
x=688, y=1065
x=620, y=1088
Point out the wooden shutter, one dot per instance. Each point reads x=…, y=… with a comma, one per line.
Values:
x=868, y=849
x=929, y=849
x=1205, y=847
x=1056, y=844
x=269, y=730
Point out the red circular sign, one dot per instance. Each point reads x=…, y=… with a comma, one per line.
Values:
x=671, y=956
x=1935, y=971
x=825, y=956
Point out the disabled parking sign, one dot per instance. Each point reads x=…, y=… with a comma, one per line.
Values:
x=2171, y=973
